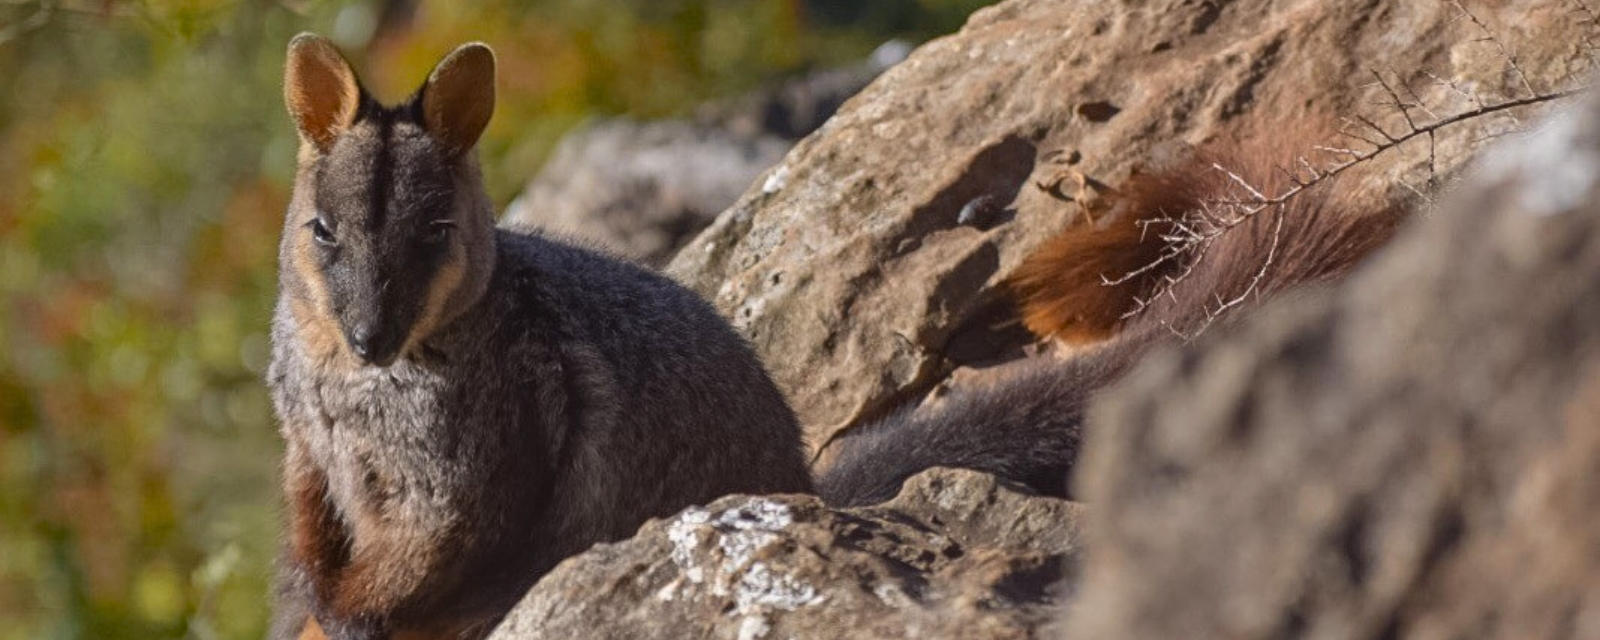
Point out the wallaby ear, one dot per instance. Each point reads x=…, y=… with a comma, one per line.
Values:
x=320, y=89
x=458, y=98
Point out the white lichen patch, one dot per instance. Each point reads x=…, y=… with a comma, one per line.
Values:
x=753, y=627
x=758, y=513
x=891, y=594
x=685, y=532
x=760, y=587
x=776, y=180
x=739, y=546
x=722, y=550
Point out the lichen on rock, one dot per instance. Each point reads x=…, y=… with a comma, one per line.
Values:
x=788, y=566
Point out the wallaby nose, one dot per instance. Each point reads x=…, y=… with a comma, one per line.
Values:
x=361, y=342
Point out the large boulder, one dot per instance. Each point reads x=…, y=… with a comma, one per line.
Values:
x=644, y=189
x=866, y=266
x=956, y=555
x=1414, y=455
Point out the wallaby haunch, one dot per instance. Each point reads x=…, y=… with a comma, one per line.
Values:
x=464, y=407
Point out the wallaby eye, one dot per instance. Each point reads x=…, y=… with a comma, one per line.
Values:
x=438, y=230
x=322, y=233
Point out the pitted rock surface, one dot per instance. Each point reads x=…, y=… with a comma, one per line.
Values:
x=956, y=555
x=866, y=265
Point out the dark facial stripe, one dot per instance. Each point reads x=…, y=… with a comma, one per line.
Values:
x=382, y=170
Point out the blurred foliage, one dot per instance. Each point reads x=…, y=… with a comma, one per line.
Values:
x=144, y=164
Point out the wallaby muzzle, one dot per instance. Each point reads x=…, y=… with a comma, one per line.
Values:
x=379, y=314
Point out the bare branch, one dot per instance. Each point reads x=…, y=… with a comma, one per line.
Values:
x=1489, y=37
x=1255, y=281
x=1456, y=89
x=1239, y=181
x=1416, y=101
x=1400, y=105
x=1189, y=238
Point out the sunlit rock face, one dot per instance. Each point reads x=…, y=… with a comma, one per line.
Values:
x=866, y=267
x=956, y=555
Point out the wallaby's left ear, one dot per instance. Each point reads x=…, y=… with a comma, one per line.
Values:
x=320, y=89
x=458, y=98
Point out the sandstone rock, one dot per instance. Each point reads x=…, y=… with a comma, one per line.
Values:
x=865, y=266
x=956, y=555
x=646, y=188
x=1413, y=455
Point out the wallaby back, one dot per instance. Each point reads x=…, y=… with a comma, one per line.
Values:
x=464, y=407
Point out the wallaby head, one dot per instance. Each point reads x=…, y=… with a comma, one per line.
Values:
x=389, y=233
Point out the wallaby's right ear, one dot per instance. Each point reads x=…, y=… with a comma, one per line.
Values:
x=320, y=89
x=458, y=98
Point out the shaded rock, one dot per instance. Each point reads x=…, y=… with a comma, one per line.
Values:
x=864, y=268
x=642, y=188
x=956, y=555
x=1413, y=455
x=646, y=188
x=792, y=110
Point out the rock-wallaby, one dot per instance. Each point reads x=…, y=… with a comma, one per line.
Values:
x=463, y=407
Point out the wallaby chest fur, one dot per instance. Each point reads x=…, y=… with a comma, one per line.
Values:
x=578, y=398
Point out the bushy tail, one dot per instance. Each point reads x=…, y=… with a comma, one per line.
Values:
x=1184, y=248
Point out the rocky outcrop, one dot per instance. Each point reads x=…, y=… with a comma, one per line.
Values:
x=865, y=267
x=646, y=188
x=1413, y=455
x=956, y=555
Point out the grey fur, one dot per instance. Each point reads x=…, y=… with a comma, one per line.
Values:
x=1026, y=429
x=561, y=398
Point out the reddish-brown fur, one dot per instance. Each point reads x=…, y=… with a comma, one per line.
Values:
x=320, y=87
x=1063, y=286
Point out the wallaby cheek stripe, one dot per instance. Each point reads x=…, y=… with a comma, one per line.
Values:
x=312, y=631
x=318, y=328
x=446, y=280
